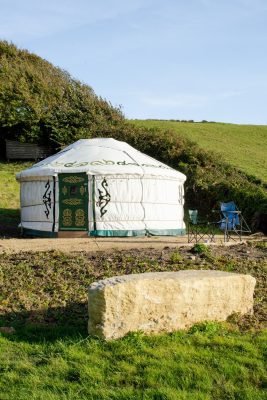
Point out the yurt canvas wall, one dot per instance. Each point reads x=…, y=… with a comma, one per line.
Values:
x=38, y=206
x=104, y=194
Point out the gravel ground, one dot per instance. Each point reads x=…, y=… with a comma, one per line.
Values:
x=70, y=245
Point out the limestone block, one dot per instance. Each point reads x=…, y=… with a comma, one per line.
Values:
x=158, y=302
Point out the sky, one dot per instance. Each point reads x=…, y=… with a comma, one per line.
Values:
x=157, y=59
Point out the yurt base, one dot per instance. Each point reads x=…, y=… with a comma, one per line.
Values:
x=61, y=234
x=72, y=234
x=106, y=233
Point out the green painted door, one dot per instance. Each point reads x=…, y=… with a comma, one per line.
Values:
x=73, y=202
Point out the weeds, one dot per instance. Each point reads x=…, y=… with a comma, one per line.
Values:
x=200, y=248
x=209, y=328
x=261, y=245
x=176, y=257
x=52, y=287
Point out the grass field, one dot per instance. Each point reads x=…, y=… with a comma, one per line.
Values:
x=9, y=187
x=9, y=196
x=50, y=356
x=243, y=146
x=182, y=366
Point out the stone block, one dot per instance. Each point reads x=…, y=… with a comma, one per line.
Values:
x=160, y=302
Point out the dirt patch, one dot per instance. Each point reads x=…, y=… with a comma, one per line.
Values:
x=89, y=244
x=51, y=287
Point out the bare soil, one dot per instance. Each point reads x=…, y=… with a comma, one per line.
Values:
x=69, y=245
x=50, y=286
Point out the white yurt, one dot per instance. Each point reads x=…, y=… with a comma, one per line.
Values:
x=101, y=187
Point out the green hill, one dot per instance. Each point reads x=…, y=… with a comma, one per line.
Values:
x=243, y=146
x=41, y=103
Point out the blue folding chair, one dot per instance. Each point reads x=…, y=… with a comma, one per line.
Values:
x=232, y=221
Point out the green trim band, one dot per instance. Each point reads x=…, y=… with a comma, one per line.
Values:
x=127, y=233
x=111, y=233
x=93, y=200
x=34, y=232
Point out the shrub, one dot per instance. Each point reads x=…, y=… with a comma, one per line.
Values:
x=176, y=257
x=40, y=103
x=200, y=248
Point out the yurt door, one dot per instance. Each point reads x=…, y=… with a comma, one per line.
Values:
x=73, y=202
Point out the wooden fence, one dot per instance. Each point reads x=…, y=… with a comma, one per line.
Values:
x=26, y=151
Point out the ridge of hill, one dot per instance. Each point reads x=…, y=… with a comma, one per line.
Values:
x=242, y=146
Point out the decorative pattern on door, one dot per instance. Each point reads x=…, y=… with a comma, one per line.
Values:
x=67, y=217
x=73, y=201
x=79, y=217
x=73, y=179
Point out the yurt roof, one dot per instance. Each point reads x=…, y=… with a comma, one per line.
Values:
x=100, y=156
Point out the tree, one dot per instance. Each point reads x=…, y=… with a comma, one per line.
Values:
x=40, y=103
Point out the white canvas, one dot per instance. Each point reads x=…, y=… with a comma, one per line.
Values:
x=144, y=194
x=100, y=157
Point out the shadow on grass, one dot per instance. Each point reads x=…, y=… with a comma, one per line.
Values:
x=9, y=221
x=47, y=325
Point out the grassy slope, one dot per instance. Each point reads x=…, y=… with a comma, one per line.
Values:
x=9, y=187
x=243, y=146
x=9, y=196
